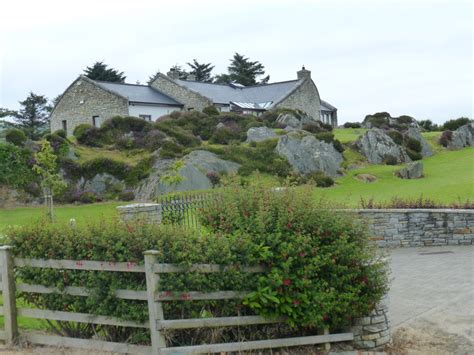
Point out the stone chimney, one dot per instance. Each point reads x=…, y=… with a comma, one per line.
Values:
x=173, y=74
x=191, y=77
x=303, y=73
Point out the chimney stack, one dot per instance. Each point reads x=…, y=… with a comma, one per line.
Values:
x=173, y=74
x=303, y=73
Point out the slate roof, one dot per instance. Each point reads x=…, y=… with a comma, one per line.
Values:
x=225, y=93
x=138, y=93
x=326, y=106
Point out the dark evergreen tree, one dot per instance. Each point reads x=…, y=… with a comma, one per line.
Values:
x=101, y=71
x=222, y=79
x=33, y=117
x=245, y=72
x=201, y=71
x=153, y=77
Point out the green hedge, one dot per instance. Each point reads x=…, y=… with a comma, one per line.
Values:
x=16, y=166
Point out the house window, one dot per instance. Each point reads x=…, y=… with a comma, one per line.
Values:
x=64, y=122
x=95, y=121
x=145, y=117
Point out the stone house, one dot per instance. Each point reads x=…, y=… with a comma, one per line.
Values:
x=91, y=101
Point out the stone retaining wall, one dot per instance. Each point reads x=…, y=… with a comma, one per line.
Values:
x=373, y=331
x=419, y=227
x=150, y=212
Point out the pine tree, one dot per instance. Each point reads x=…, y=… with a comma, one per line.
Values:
x=33, y=117
x=202, y=71
x=100, y=71
x=243, y=71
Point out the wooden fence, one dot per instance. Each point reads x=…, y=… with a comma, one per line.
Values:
x=153, y=295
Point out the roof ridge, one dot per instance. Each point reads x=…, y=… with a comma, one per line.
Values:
x=274, y=83
x=114, y=82
x=240, y=88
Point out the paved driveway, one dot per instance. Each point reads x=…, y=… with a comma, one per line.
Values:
x=432, y=299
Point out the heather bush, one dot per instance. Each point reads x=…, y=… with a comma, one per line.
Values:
x=224, y=135
x=413, y=144
x=327, y=137
x=446, y=138
x=390, y=160
x=414, y=155
x=214, y=177
x=211, y=111
x=396, y=136
x=338, y=145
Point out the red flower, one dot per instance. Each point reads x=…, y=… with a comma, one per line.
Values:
x=296, y=302
x=287, y=282
x=289, y=225
x=302, y=254
x=325, y=317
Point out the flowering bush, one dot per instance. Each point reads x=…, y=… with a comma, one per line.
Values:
x=322, y=270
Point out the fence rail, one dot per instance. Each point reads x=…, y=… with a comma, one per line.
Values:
x=154, y=296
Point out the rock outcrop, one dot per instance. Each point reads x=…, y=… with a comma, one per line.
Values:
x=259, y=134
x=376, y=146
x=462, y=137
x=415, y=133
x=293, y=121
x=413, y=170
x=100, y=183
x=306, y=154
x=196, y=165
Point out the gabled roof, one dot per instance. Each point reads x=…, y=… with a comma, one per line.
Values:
x=225, y=93
x=138, y=93
x=326, y=106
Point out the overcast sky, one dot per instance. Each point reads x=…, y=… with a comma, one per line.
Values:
x=404, y=57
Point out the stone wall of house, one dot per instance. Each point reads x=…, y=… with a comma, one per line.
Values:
x=305, y=98
x=189, y=98
x=420, y=227
x=81, y=101
x=373, y=331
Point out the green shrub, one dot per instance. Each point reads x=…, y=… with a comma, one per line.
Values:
x=126, y=196
x=88, y=197
x=59, y=144
x=224, y=136
x=405, y=120
x=182, y=136
x=313, y=127
x=101, y=165
x=338, y=145
x=414, y=155
x=323, y=272
x=126, y=124
x=414, y=145
x=61, y=133
x=15, y=166
x=390, y=160
x=453, y=125
x=428, y=125
x=446, y=138
x=320, y=179
x=89, y=135
x=352, y=125
x=327, y=137
x=15, y=136
x=396, y=136
x=211, y=111
x=170, y=149
x=140, y=171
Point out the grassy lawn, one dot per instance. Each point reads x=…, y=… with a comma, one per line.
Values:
x=449, y=177
x=346, y=135
x=130, y=157
x=82, y=214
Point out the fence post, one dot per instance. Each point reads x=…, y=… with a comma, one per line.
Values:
x=9, y=299
x=155, y=309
